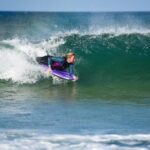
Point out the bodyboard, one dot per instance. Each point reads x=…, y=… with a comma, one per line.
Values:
x=61, y=74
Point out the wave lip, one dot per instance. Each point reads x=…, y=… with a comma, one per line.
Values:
x=117, y=30
x=97, y=30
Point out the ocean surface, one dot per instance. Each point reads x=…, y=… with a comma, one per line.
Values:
x=107, y=108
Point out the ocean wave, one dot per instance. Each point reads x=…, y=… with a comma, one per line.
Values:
x=109, y=51
x=25, y=141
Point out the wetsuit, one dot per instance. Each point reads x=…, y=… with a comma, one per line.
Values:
x=58, y=63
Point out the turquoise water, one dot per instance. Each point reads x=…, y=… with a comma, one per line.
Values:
x=107, y=108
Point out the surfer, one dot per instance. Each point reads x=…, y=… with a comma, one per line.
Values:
x=59, y=63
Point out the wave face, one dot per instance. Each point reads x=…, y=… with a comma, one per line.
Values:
x=112, y=49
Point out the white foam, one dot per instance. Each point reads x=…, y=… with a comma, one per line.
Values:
x=17, y=61
x=28, y=140
x=35, y=49
x=15, y=66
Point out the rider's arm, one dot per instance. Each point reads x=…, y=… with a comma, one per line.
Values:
x=75, y=78
x=71, y=69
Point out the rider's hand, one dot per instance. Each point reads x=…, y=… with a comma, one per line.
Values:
x=75, y=78
x=49, y=69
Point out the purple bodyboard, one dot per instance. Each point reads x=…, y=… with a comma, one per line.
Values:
x=61, y=74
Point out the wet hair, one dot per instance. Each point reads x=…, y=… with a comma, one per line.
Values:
x=70, y=54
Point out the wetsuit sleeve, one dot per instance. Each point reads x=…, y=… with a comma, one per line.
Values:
x=71, y=69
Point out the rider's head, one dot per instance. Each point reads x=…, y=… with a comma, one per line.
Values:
x=70, y=57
